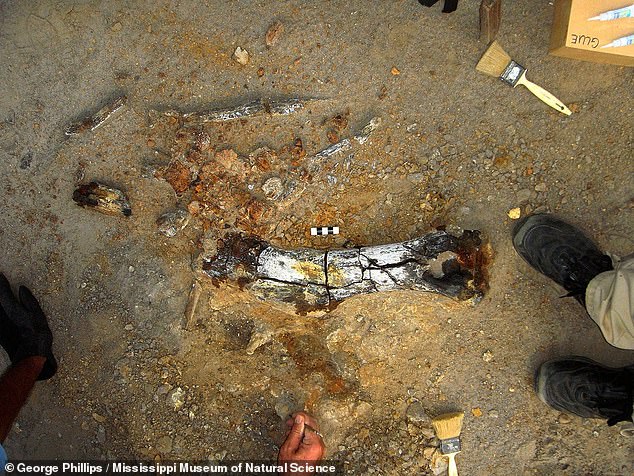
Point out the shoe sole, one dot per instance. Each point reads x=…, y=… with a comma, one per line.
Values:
x=541, y=377
x=521, y=228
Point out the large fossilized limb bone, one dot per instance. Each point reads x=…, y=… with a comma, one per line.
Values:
x=319, y=279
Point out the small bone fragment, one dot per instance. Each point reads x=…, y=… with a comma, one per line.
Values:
x=102, y=199
x=93, y=122
x=329, y=151
x=262, y=334
x=284, y=108
x=346, y=144
x=228, y=114
x=250, y=109
x=241, y=56
x=192, y=304
x=172, y=222
x=273, y=33
x=369, y=128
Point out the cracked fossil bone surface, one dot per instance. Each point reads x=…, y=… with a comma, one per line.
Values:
x=313, y=279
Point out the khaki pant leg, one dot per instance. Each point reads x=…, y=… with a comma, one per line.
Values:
x=610, y=303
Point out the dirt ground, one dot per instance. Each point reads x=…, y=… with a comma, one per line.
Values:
x=455, y=148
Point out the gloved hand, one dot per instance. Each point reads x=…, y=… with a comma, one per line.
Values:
x=24, y=331
x=450, y=5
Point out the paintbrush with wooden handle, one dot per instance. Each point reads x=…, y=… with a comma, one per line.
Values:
x=495, y=62
x=448, y=428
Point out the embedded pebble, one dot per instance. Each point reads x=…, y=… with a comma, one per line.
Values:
x=273, y=33
x=171, y=223
x=101, y=434
x=241, y=56
x=564, y=419
x=262, y=334
x=514, y=213
x=98, y=418
x=176, y=398
x=273, y=188
x=541, y=187
x=429, y=451
x=523, y=195
x=164, y=444
x=416, y=413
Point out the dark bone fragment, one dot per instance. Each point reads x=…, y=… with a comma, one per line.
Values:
x=346, y=144
x=103, y=199
x=97, y=119
x=319, y=279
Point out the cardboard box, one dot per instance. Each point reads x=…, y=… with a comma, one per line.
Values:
x=573, y=36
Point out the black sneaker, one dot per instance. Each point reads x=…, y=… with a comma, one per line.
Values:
x=561, y=252
x=585, y=388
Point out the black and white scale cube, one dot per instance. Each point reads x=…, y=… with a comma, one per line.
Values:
x=324, y=230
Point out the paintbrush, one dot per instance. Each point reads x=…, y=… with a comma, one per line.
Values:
x=448, y=428
x=495, y=62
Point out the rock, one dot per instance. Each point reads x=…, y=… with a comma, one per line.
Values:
x=429, y=451
x=363, y=409
x=448, y=150
x=241, y=56
x=285, y=406
x=439, y=464
x=176, y=398
x=194, y=207
x=476, y=412
x=164, y=444
x=494, y=414
x=101, y=434
x=541, y=187
x=262, y=334
x=333, y=413
x=514, y=213
x=273, y=188
x=116, y=26
x=395, y=71
x=177, y=175
x=523, y=195
x=172, y=222
x=98, y=418
x=230, y=161
x=527, y=451
x=487, y=356
x=273, y=33
x=564, y=418
x=416, y=414
x=163, y=389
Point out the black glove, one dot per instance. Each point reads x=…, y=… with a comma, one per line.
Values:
x=450, y=5
x=24, y=331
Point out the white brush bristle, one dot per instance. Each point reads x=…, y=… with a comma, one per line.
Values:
x=494, y=60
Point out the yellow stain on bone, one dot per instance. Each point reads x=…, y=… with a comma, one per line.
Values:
x=336, y=277
x=313, y=272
